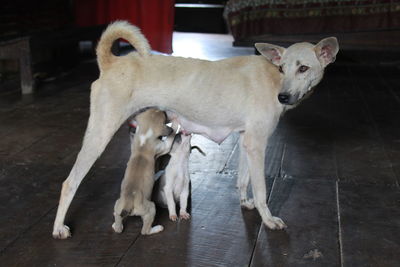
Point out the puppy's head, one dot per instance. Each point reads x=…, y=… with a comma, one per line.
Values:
x=181, y=143
x=300, y=65
x=152, y=126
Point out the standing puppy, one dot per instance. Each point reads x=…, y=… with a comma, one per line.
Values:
x=174, y=183
x=138, y=181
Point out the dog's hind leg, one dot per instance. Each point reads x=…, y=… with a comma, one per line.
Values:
x=148, y=218
x=104, y=121
x=118, y=225
x=243, y=177
x=169, y=195
x=255, y=143
x=183, y=198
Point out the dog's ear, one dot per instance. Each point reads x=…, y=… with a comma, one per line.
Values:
x=326, y=50
x=272, y=52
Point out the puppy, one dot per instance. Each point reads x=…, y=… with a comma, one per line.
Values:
x=246, y=94
x=138, y=181
x=174, y=183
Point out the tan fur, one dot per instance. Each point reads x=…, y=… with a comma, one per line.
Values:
x=138, y=181
x=213, y=99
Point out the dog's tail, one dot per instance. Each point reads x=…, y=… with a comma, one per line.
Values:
x=117, y=30
x=198, y=149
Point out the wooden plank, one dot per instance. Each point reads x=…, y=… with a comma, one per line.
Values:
x=27, y=192
x=219, y=233
x=309, y=153
x=359, y=151
x=90, y=217
x=382, y=96
x=308, y=207
x=370, y=225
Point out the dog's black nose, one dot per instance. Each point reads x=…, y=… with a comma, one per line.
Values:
x=284, y=98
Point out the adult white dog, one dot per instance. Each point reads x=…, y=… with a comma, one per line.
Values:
x=241, y=94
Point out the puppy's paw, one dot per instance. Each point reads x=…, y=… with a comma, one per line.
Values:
x=62, y=232
x=184, y=215
x=275, y=223
x=118, y=228
x=173, y=217
x=156, y=229
x=247, y=203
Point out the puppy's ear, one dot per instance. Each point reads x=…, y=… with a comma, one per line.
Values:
x=326, y=50
x=272, y=52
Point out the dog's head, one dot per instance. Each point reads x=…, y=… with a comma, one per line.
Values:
x=301, y=66
x=150, y=126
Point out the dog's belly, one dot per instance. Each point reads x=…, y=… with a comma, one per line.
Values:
x=216, y=134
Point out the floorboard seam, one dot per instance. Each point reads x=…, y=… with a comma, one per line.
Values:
x=340, y=241
x=22, y=233
x=32, y=144
x=260, y=227
x=126, y=251
x=229, y=157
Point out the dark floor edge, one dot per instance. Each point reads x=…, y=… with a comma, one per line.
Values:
x=22, y=233
x=375, y=127
x=396, y=97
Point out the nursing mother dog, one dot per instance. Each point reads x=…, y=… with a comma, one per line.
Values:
x=246, y=94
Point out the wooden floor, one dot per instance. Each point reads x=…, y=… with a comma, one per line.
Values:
x=333, y=172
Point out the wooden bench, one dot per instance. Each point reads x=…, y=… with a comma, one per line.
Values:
x=19, y=48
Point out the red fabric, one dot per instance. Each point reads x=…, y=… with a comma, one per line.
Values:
x=154, y=17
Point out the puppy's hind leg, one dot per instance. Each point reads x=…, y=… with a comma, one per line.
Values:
x=118, y=225
x=243, y=177
x=169, y=195
x=104, y=121
x=183, y=199
x=148, y=218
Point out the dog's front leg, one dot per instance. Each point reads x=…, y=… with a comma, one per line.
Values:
x=254, y=144
x=243, y=177
x=101, y=127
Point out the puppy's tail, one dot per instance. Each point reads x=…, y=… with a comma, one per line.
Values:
x=129, y=201
x=198, y=149
x=114, y=31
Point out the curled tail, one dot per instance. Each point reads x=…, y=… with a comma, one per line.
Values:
x=114, y=31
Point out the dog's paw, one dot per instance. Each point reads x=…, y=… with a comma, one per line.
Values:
x=184, y=215
x=156, y=229
x=118, y=228
x=173, y=217
x=247, y=203
x=62, y=232
x=275, y=223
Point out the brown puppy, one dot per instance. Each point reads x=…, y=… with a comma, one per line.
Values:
x=138, y=181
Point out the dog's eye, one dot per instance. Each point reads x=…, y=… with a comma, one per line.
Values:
x=303, y=68
x=162, y=138
x=280, y=69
